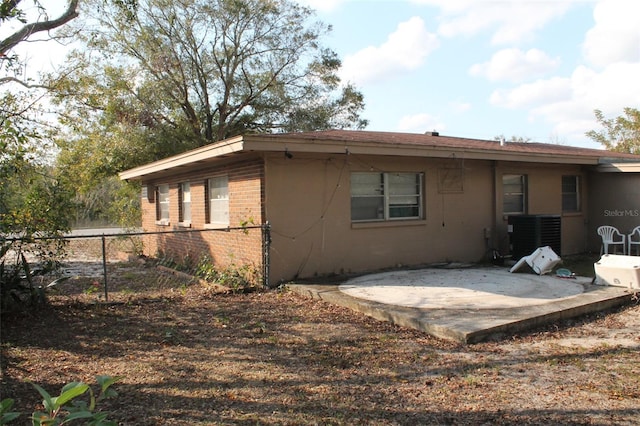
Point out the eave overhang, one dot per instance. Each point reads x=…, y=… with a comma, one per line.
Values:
x=293, y=145
x=618, y=167
x=199, y=155
x=433, y=148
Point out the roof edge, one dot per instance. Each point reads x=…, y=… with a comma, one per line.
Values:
x=619, y=167
x=227, y=146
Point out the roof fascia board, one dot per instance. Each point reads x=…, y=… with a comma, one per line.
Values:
x=227, y=146
x=366, y=148
x=259, y=143
x=614, y=167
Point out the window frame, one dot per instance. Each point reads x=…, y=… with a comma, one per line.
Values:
x=210, y=202
x=184, y=204
x=574, y=195
x=384, y=193
x=163, y=201
x=523, y=193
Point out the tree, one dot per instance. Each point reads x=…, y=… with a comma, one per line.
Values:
x=33, y=202
x=621, y=134
x=212, y=68
x=21, y=144
x=23, y=176
x=514, y=138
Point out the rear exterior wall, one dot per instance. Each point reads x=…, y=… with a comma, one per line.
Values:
x=544, y=197
x=308, y=205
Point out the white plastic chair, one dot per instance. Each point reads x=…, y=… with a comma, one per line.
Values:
x=611, y=237
x=631, y=242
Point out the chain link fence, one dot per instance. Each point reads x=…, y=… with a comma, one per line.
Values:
x=93, y=254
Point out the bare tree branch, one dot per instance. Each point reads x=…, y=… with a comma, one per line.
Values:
x=36, y=27
x=4, y=80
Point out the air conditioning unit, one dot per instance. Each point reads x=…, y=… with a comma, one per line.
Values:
x=528, y=232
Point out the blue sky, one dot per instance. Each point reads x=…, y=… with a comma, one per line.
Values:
x=483, y=68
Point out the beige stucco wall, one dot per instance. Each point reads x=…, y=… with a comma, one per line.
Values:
x=545, y=197
x=308, y=205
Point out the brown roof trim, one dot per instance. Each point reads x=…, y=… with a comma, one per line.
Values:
x=428, y=140
x=385, y=143
x=225, y=147
x=617, y=167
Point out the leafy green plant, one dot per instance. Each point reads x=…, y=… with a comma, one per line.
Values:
x=17, y=281
x=205, y=269
x=66, y=407
x=93, y=288
x=7, y=416
x=238, y=278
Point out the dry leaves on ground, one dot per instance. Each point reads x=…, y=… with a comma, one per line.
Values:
x=191, y=355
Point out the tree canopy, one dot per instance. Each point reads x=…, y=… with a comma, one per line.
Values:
x=33, y=200
x=209, y=69
x=24, y=176
x=621, y=134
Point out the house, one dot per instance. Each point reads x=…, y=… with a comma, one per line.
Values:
x=343, y=201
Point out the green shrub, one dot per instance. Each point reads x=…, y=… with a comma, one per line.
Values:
x=237, y=278
x=66, y=407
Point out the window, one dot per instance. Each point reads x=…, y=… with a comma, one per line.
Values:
x=386, y=196
x=218, y=201
x=162, y=204
x=514, y=190
x=184, y=203
x=571, y=193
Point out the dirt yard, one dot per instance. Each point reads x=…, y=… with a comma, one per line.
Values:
x=191, y=355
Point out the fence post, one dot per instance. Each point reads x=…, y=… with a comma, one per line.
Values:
x=104, y=268
x=266, y=245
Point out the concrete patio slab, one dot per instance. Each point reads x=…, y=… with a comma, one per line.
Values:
x=469, y=305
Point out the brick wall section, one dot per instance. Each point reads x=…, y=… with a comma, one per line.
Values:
x=225, y=248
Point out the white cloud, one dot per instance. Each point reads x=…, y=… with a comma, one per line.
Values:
x=420, y=123
x=509, y=21
x=568, y=103
x=406, y=49
x=532, y=94
x=515, y=65
x=616, y=34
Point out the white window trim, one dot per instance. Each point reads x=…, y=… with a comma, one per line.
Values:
x=578, y=182
x=525, y=183
x=159, y=220
x=184, y=223
x=217, y=225
x=387, y=197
